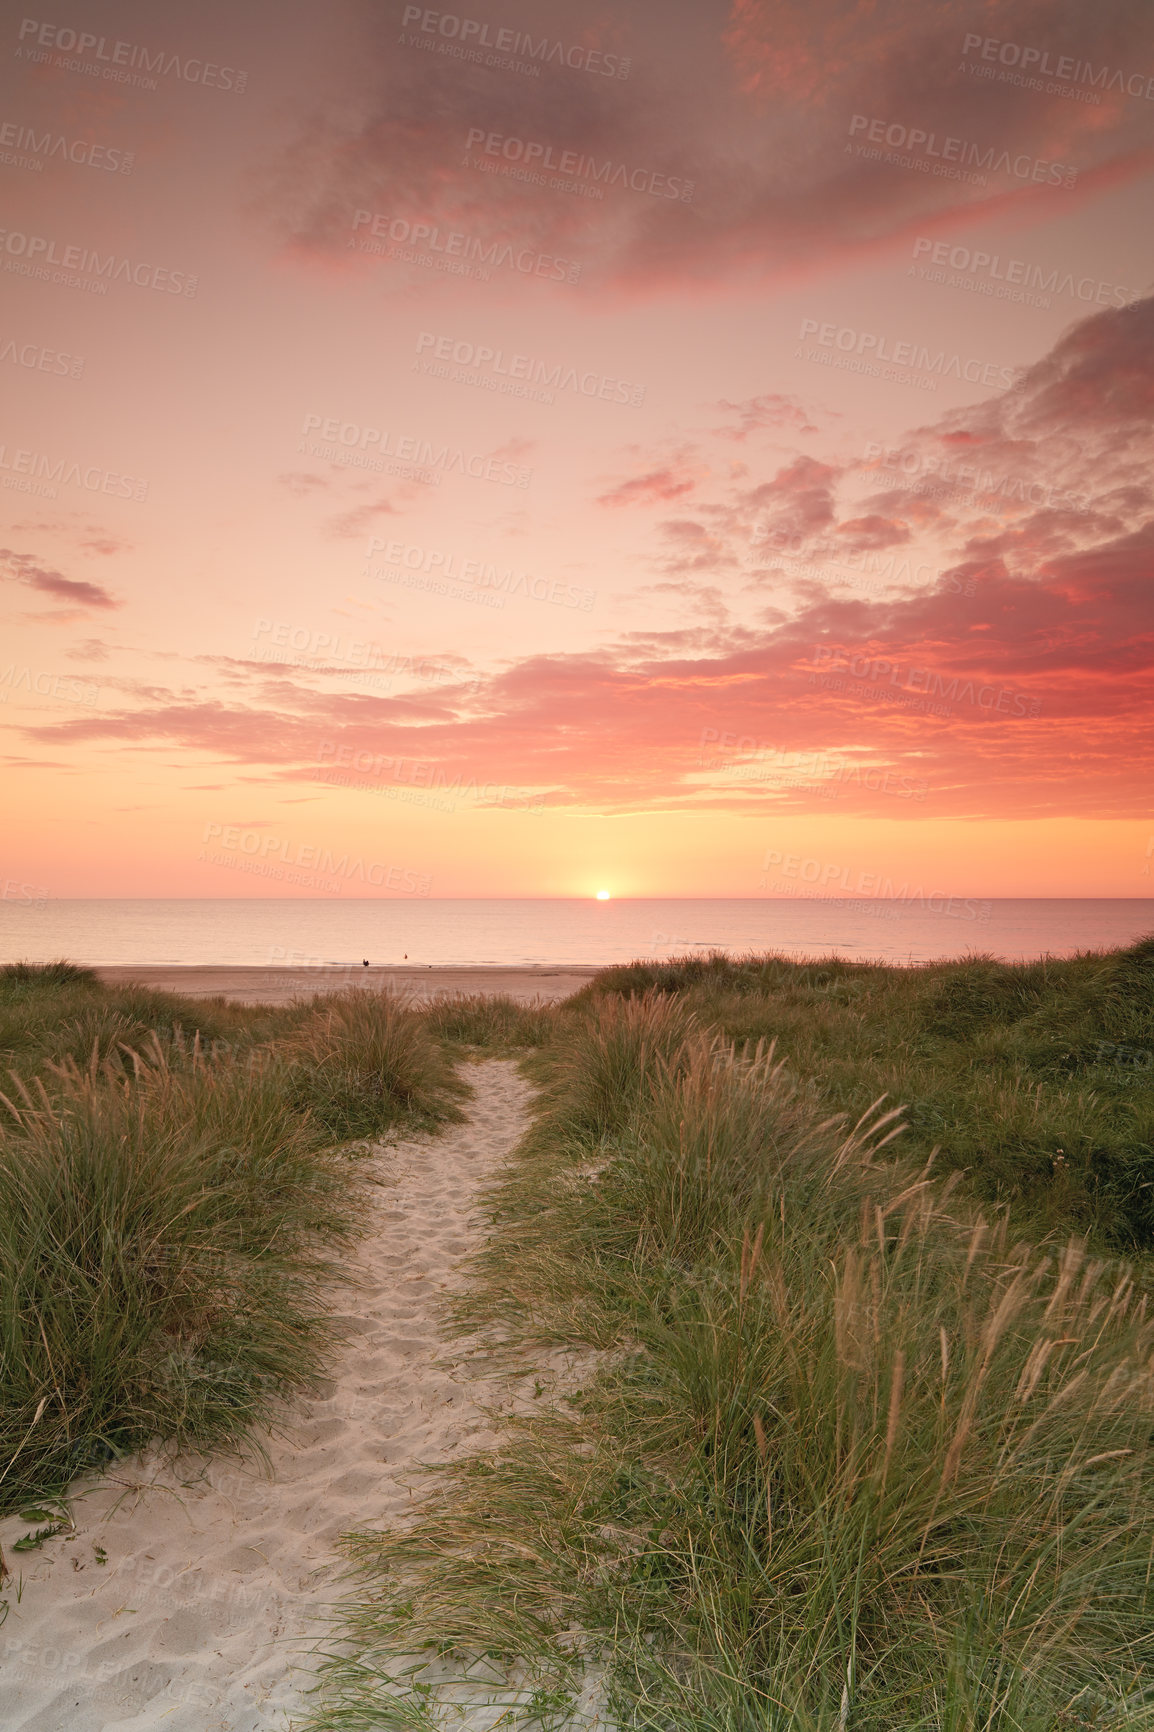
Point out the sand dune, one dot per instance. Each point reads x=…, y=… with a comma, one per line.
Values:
x=279, y=985
x=193, y=1591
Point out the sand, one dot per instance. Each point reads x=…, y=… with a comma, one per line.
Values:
x=279, y=985
x=206, y=1613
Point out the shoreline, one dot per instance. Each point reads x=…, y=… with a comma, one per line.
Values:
x=269, y=984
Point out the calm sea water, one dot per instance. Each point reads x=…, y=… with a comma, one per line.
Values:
x=271, y=933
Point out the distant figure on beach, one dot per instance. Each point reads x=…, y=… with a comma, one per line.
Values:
x=365, y=963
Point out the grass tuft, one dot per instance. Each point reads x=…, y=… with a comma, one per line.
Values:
x=165, y=1243
x=493, y=1023
x=362, y=1061
x=172, y=1203
x=16, y=974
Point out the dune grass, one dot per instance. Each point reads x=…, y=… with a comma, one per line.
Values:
x=165, y=1241
x=856, y=1456
x=491, y=1023
x=1035, y=1079
x=870, y=1439
x=360, y=1061
x=175, y=1187
x=55, y=1012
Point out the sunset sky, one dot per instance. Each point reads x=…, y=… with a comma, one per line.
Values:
x=540, y=448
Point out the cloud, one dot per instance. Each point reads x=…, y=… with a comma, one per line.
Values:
x=300, y=483
x=20, y=763
x=871, y=532
x=23, y=568
x=692, y=547
x=354, y=523
x=1000, y=664
x=104, y=545
x=768, y=413
x=745, y=121
x=657, y=487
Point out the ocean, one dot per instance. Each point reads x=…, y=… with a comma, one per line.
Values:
x=287, y=933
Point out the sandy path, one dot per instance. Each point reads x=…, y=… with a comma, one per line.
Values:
x=217, y=1579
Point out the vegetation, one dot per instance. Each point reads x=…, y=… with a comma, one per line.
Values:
x=1036, y=1080
x=173, y=1188
x=491, y=1023
x=59, y=1012
x=868, y=1438
x=856, y=1453
x=359, y=1061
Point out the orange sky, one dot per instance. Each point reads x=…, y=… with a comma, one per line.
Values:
x=538, y=451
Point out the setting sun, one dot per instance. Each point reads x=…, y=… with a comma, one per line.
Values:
x=603, y=896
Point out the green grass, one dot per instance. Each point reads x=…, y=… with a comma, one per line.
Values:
x=868, y=1441
x=856, y=1455
x=176, y=1192
x=361, y=1061
x=56, y=1012
x=165, y=1244
x=493, y=1023
x=1036, y=1080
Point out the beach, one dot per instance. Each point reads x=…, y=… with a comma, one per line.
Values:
x=282, y=985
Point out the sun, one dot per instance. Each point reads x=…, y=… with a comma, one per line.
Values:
x=603, y=896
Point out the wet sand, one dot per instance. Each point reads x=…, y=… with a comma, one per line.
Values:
x=280, y=985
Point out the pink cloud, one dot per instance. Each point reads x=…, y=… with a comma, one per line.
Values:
x=1014, y=681
x=761, y=160
x=657, y=487
x=23, y=568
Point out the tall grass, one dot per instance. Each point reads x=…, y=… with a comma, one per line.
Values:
x=493, y=1022
x=51, y=1013
x=1034, y=1079
x=363, y=1060
x=171, y=1207
x=856, y=1457
x=166, y=1237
